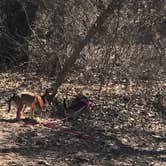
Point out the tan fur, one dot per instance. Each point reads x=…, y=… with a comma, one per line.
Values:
x=27, y=99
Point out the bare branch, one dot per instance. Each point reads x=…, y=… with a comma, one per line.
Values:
x=79, y=47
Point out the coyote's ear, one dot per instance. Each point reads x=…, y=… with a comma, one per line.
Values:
x=49, y=96
x=46, y=91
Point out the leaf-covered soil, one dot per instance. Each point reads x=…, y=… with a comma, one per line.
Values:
x=123, y=128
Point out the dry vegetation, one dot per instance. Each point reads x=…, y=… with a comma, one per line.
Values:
x=115, y=50
x=122, y=128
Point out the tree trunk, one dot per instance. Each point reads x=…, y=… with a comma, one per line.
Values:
x=79, y=47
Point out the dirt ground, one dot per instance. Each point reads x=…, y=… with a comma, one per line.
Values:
x=120, y=130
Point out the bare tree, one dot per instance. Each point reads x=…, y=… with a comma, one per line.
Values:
x=114, y=5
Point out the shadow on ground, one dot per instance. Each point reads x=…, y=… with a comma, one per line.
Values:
x=75, y=149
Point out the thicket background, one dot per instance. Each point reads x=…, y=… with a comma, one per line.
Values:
x=116, y=48
x=129, y=43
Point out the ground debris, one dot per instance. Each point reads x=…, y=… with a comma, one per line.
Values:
x=122, y=129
